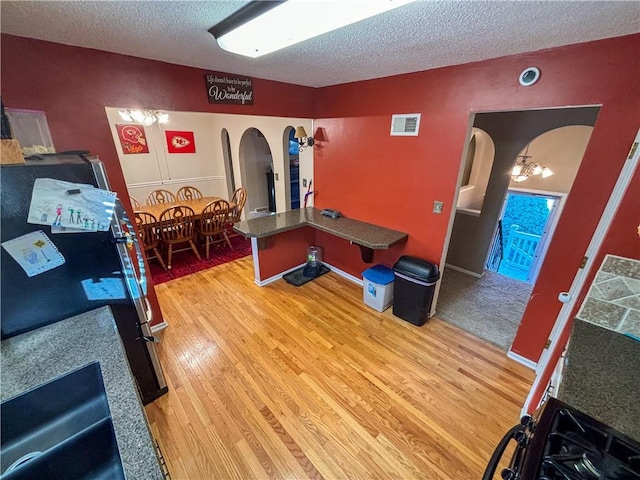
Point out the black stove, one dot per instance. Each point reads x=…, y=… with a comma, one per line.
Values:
x=563, y=443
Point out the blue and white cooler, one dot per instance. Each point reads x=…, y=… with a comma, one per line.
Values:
x=378, y=287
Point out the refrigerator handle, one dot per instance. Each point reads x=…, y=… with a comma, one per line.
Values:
x=137, y=286
x=131, y=239
x=150, y=339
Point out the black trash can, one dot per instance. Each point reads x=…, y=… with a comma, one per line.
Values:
x=415, y=282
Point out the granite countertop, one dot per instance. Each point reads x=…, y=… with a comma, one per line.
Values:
x=36, y=357
x=361, y=233
x=601, y=375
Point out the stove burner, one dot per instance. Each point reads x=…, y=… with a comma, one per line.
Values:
x=585, y=466
x=562, y=443
x=579, y=450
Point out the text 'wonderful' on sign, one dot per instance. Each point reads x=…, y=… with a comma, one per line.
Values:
x=229, y=89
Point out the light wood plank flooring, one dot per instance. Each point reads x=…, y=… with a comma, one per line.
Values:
x=284, y=382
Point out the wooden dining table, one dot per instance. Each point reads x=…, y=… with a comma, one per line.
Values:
x=197, y=204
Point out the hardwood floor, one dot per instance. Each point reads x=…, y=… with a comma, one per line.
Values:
x=284, y=382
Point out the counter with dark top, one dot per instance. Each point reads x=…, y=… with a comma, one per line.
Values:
x=36, y=357
x=601, y=375
x=366, y=235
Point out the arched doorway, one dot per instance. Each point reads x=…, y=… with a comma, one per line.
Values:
x=533, y=204
x=228, y=163
x=256, y=164
x=291, y=151
x=482, y=302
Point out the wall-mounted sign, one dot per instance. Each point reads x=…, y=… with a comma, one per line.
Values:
x=180, y=142
x=132, y=139
x=229, y=89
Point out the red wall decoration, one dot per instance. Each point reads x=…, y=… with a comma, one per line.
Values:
x=180, y=142
x=132, y=139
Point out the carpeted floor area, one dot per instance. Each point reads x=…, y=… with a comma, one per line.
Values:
x=490, y=307
x=186, y=263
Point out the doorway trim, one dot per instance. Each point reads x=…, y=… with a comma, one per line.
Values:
x=447, y=241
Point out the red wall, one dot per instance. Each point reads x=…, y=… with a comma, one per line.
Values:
x=73, y=85
x=622, y=239
x=359, y=168
x=393, y=181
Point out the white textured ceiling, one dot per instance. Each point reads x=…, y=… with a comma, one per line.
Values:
x=418, y=36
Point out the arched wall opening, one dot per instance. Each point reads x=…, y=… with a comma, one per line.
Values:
x=256, y=165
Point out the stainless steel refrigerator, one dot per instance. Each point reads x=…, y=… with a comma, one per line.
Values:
x=104, y=259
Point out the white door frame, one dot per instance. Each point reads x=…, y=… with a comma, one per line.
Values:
x=550, y=225
x=544, y=369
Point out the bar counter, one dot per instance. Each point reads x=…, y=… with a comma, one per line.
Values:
x=367, y=236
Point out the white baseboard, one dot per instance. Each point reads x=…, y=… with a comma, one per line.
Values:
x=522, y=360
x=462, y=270
x=342, y=273
x=159, y=327
x=262, y=283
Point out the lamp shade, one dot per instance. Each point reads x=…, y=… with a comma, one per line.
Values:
x=300, y=133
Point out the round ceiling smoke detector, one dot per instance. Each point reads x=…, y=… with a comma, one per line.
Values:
x=529, y=76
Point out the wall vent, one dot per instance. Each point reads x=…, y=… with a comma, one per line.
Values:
x=407, y=124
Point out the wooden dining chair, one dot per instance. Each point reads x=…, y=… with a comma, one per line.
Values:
x=239, y=198
x=188, y=193
x=213, y=224
x=160, y=196
x=134, y=202
x=149, y=234
x=178, y=225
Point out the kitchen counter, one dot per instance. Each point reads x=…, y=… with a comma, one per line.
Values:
x=601, y=375
x=36, y=357
x=368, y=236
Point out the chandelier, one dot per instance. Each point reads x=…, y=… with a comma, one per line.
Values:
x=145, y=117
x=524, y=168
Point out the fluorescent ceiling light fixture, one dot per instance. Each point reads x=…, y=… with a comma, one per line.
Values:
x=262, y=27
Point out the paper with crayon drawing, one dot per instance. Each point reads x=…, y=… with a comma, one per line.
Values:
x=70, y=205
x=34, y=252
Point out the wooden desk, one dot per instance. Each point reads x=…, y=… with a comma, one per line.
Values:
x=197, y=204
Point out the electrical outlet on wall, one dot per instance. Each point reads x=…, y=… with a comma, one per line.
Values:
x=437, y=206
x=276, y=177
x=304, y=182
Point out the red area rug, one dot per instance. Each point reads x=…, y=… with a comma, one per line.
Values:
x=186, y=263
